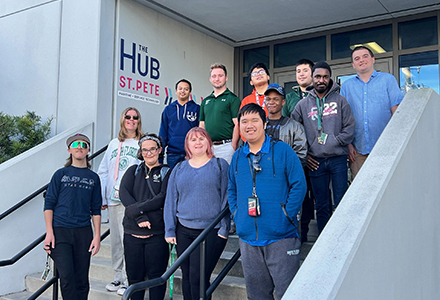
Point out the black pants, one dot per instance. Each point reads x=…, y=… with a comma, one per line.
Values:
x=72, y=259
x=146, y=258
x=308, y=208
x=191, y=267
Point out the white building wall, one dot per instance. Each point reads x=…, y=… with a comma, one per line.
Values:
x=61, y=59
x=383, y=239
x=180, y=51
x=29, y=47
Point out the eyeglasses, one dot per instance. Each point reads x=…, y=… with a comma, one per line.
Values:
x=77, y=144
x=127, y=117
x=152, y=150
x=256, y=73
x=256, y=163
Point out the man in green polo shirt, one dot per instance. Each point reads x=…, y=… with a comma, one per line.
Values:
x=218, y=114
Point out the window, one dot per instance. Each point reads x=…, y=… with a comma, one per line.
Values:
x=418, y=33
x=378, y=39
x=288, y=54
x=420, y=70
x=253, y=56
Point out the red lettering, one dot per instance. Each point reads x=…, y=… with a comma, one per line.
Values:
x=129, y=82
x=145, y=87
x=138, y=85
x=122, y=81
x=157, y=90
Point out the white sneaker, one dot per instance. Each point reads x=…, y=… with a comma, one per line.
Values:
x=121, y=290
x=113, y=286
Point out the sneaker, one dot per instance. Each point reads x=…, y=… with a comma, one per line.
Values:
x=121, y=290
x=113, y=286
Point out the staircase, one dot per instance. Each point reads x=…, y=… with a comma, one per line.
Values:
x=101, y=273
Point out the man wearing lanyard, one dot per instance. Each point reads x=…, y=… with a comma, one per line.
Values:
x=373, y=97
x=259, y=78
x=265, y=192
x=303, y=74
x=329, y=124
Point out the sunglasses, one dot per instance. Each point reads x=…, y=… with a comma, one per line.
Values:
x=127, y=117
x=83, y=145
x=256, y=163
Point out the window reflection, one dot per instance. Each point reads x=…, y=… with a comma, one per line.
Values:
x=379, y=39
x=418, y=33
x=420, y=70
x=287, y=54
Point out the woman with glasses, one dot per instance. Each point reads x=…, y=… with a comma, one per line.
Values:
x=143, y=190
x=121, y=154
x=197, y=193
x=73, y=194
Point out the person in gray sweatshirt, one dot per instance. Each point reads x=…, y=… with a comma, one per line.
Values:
x=329, y=124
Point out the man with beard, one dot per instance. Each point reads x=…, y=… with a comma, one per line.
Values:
x=329, y=124
x=218, y=114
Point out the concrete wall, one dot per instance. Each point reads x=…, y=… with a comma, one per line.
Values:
x=383, y=240
x=61, y=59
x=19, y=177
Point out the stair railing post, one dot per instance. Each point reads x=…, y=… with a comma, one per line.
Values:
x=55, y=284
x=202, y=269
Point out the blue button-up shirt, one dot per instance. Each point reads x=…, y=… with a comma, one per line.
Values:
x=371, y=104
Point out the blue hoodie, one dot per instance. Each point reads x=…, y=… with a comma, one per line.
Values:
x=280, y=187
x=176, y=121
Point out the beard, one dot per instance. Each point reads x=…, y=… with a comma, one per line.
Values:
x=321, y=89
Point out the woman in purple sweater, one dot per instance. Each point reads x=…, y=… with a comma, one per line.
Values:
x=196, y=194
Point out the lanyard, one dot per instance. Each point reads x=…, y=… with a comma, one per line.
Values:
x=320, y=111
x=254, y=174
x=257, y=99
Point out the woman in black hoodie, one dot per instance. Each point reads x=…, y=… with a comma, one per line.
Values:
x=142, y=192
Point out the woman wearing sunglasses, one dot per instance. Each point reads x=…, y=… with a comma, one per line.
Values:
x=73, y=194
x=120, y=155
x=197, y=193
x=143, y=190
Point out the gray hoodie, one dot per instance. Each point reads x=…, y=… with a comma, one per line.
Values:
x=337, y=121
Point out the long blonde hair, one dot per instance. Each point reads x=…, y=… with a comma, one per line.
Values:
x=123, y=133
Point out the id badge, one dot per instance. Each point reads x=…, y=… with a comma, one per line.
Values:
x=115, y=195
x=323, y=138
x=253, y=206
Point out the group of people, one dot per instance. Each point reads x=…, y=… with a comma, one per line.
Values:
x=271, y=157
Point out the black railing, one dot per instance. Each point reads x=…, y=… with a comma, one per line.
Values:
x=200, y=240
x=54, y=280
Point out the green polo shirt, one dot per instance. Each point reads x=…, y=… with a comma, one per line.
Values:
x=218, y=112
x=292, y=100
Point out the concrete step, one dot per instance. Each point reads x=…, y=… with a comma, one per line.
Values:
x=231, y=288
x=24, y=295
x=97, y=288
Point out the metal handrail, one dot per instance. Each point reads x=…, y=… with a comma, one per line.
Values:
x=40, y=190
x=54, y=280
x=23, y=252
x=163, y=279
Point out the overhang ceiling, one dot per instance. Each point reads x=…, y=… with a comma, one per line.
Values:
x=243, y=22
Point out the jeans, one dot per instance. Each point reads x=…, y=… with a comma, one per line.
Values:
x=116, y=215
x=146, y=257
x=334, y=168
x=173, y=159
x=72, y=259
x=191, y=267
